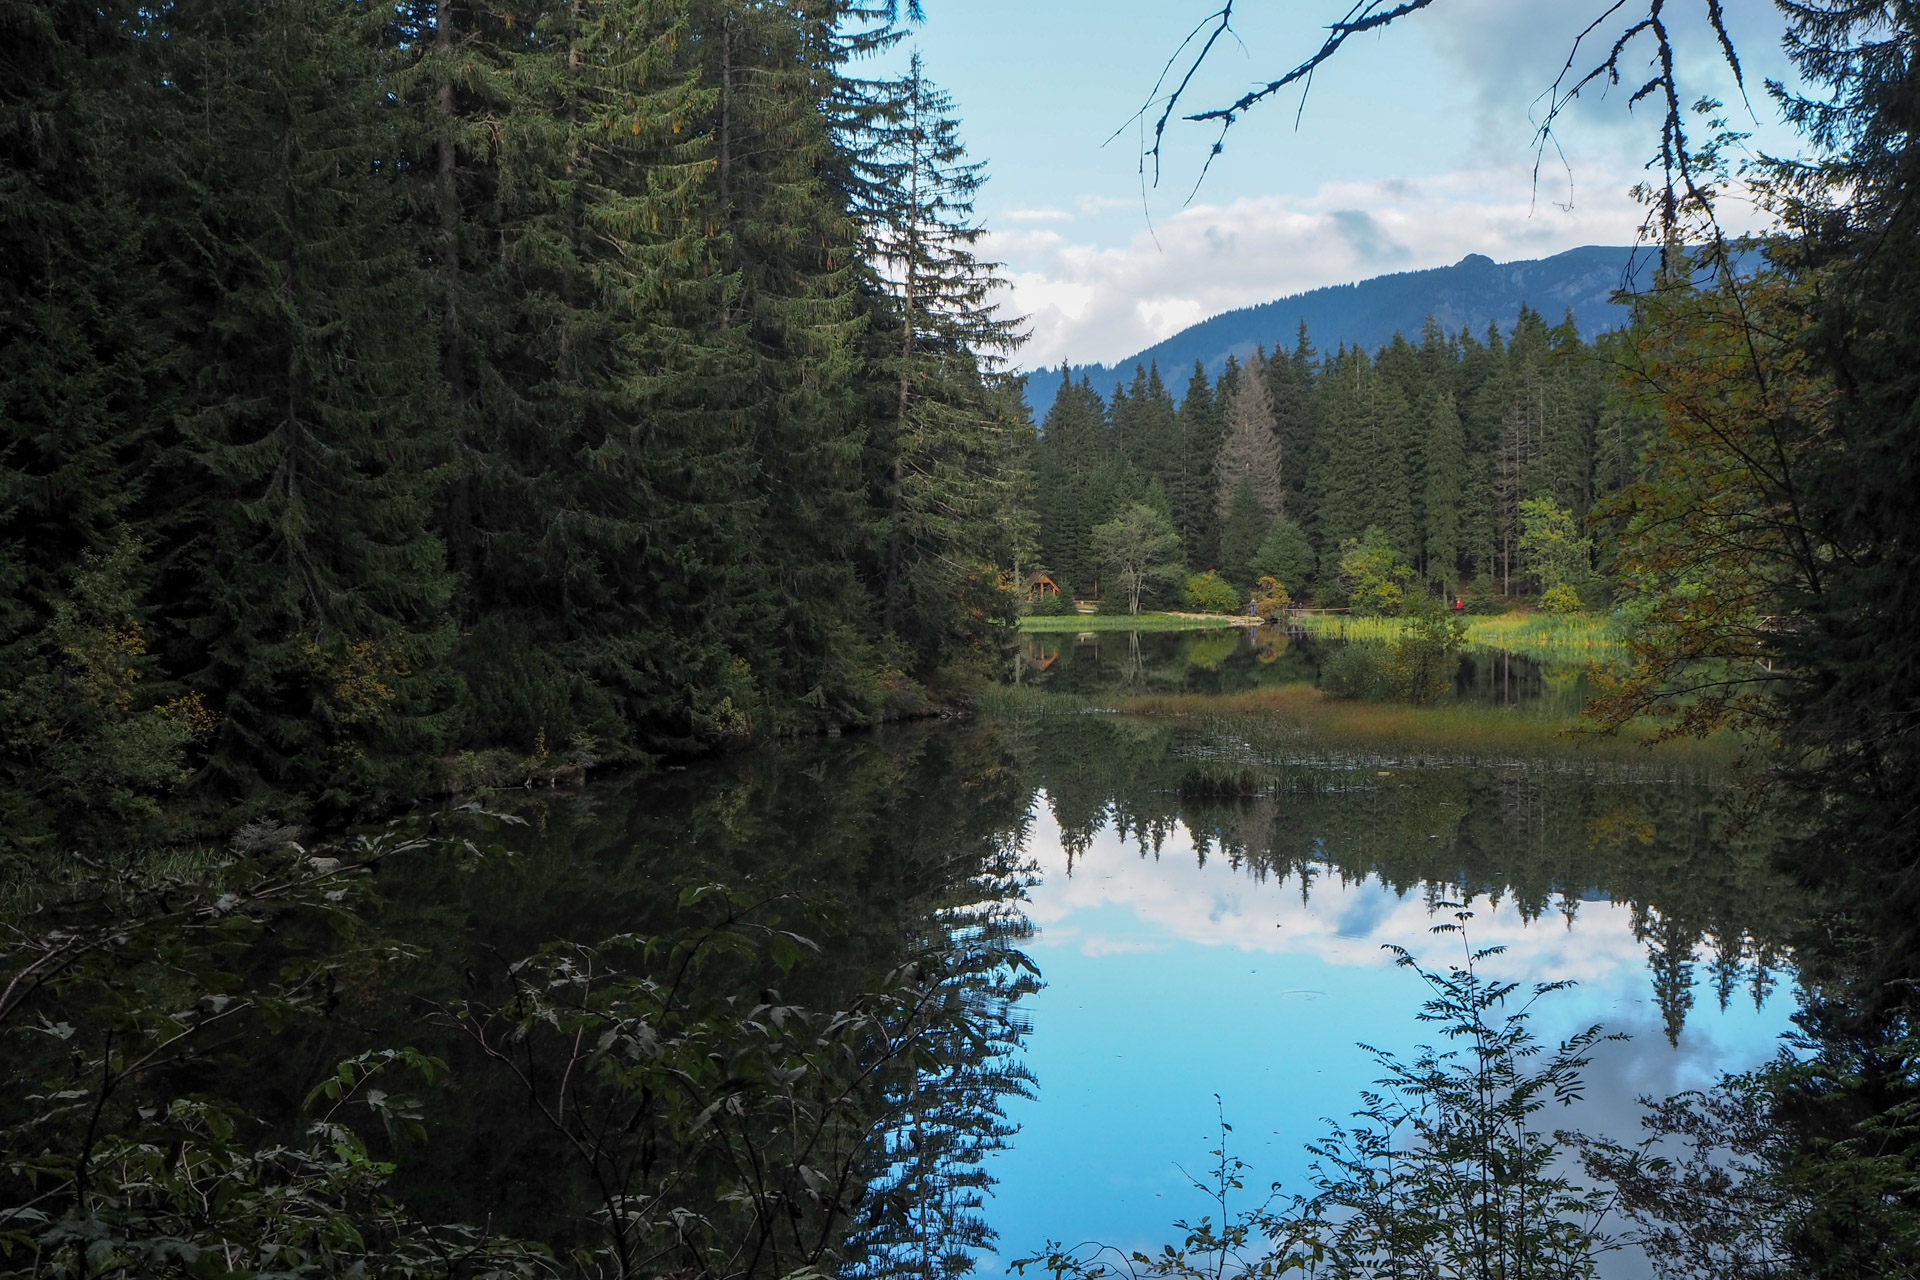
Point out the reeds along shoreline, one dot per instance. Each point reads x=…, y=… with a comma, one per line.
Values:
x=1587, y=636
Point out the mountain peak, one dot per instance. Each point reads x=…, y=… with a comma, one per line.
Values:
x=1469, y=295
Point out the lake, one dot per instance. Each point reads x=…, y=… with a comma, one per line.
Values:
x=1242, y=659
x=913, y=1001
x=1207, y=900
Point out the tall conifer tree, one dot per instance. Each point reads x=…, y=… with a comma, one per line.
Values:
x=950, y=456
x=313, y=590
x=1250, y=448
x=1194, y=490
x=1443, y=490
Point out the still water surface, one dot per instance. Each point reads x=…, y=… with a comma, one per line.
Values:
x=1184, y=969
x=1237, y=660
x=1172, y=978
x=1194, y=939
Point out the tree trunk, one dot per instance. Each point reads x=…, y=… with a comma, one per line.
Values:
x=453, y=363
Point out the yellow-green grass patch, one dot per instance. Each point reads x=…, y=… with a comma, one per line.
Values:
x=1581, y=636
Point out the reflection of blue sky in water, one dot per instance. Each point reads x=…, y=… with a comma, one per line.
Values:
x=1168, y=982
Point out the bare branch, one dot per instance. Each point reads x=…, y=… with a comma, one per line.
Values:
x=1683, y=190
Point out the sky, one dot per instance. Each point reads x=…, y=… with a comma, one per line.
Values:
x=1414, y=148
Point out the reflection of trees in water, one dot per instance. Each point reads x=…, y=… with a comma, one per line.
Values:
x=1133, y=666
x=903, y=855
x=1234, y=660
x=898, y=856
x=644, y=1075
x=1543, y=833
x=943, y=1122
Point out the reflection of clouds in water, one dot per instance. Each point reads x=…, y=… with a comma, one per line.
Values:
x=1340, y=922
x=1261, y=992
x=1367, y=912
x=1105, y=944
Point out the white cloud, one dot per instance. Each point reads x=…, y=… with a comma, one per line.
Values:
x=1089, y=302
x=1038, y=215
x=1106, y=204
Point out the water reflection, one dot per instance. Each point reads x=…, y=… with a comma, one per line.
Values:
x=1174, y=975
x=835, y=931
x=886, y=1029
x=1207, y=903
x=1213, y=895
x=1238, y=660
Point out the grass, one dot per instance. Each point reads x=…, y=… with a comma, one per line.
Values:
x=1547, y=635
x=1340, y=626
x=1122, y=622
x=1585, y=636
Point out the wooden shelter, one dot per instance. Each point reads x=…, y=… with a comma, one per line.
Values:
x=1040, y=585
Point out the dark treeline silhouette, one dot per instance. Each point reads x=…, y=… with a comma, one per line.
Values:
x=476, y=388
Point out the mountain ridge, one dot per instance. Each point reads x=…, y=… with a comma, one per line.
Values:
x=1471, y=294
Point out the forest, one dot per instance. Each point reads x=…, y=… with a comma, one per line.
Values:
x=430, y=400
x=400, y=398
x=1432, y=451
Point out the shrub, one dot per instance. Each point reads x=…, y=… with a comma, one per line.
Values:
x=1482, y=595
x=1417, y=667
x=1561, y=599
x=1356, y=669
x=1210, y=593
x=1373, y=574
x=1422, y=662
x=1271, y=599
x=1058, y=604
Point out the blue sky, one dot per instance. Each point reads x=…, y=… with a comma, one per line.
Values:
x=1415, y=149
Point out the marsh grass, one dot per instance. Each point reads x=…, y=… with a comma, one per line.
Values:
x=1340, y=626
x=1536, y=635
x=1076, y=623
x=1584, y=637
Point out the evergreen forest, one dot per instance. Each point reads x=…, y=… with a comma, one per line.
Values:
x=396, y=397
x=408, y=405
x=1433, y=450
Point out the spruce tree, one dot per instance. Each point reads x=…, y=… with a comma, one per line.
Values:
x=1389, y=476
x=787, y=245
x=1290, y=382
x=89, y=380
x=1242, y=531
x=1193, y=491
x=1443, y=491
x=949, y=472
x=1250, y=449
x=311, y=590
x=1286, y=556
x=1338, y=484
x=1073, y=482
